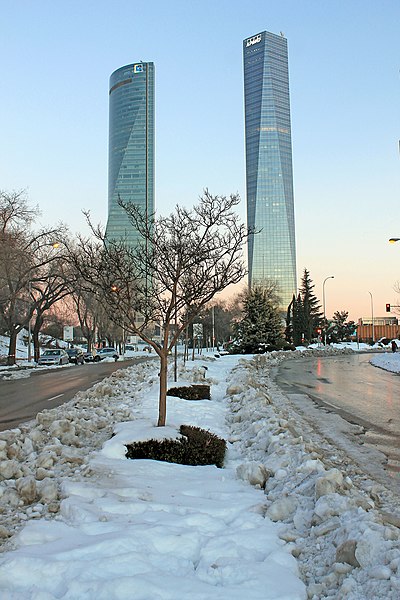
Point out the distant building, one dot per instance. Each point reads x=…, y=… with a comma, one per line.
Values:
x=383, y=327
x=131, y=146
x=269, y=177
x=378, y=321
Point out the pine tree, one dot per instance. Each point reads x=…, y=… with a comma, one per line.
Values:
x=261, y=324
x=298, y=321
x=311, y=308
x=341, y=328
x=289, y=321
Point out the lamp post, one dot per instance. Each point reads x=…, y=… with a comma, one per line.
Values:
x=323, y=302
x=29, y=328
x=213, y=328
x=372, y=315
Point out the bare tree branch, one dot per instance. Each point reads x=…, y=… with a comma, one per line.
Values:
x=178, y=265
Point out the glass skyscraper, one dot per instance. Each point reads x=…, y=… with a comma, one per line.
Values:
x=131, y=147
x=269, y=176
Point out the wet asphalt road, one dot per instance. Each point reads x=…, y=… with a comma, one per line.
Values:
x=359, y=392
x=22, y=399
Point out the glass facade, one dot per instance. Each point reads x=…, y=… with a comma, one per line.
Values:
x=131, y=147
x=269, y=176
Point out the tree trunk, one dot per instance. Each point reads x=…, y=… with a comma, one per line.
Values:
x=36, y=346
x=12, y=348
x=162, y=404
x=35, y=337
x=89, y=340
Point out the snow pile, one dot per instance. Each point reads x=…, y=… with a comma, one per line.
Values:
x=390, y=361
x=287, y=503
x=21, y=348
x=343, y=527
x=133, y=529
x=36, y=457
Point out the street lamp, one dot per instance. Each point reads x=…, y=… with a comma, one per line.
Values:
x=372, y=315
x=29, y=327
x=394, y=240
x=323, y=302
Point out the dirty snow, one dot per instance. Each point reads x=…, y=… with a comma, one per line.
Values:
x=291, y=515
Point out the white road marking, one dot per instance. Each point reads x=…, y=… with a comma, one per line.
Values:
x=54, y=397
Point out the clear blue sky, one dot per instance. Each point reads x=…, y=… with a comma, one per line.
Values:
x=344, y=63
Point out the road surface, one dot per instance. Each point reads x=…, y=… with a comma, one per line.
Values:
x=359, y=392
x=22, y=399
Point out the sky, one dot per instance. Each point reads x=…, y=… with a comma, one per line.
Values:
x=57, y=58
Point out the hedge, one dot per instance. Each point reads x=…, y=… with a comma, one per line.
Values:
x=197, y=391
x=195, y=447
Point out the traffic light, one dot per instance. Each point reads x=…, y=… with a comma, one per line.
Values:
x=387, y=307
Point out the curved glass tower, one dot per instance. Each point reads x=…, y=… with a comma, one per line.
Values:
x=131, y=147
x=269, y=177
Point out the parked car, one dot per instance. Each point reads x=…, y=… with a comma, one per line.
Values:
x=106, y=353
x=76, y=356
x=54, y=357
x=88, y=357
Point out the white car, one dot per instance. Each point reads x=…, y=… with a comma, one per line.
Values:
x=106, y=353
x=54, y=357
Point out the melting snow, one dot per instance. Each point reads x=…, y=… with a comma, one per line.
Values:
x=290, y=516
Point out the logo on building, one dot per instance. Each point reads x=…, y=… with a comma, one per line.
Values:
x=253, y=40
x=138, y=68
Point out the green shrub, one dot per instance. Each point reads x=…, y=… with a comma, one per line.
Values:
x=197, y=391
x=195, y=447
x=203, y=447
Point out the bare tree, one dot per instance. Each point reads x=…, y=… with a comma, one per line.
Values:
x=87, y=310
x=52, y=286
x=88, y=307
x=179, y=264
x=217, y=319
x=25, y=260
x=15, y=212
x=395, y=309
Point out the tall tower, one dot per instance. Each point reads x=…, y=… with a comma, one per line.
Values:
x=131, y=147
x=269, y=176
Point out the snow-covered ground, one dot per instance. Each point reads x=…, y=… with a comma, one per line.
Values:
x=292, y=514
x=387, y=360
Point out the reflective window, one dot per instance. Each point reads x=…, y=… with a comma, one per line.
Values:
x=269, y=177
x=131, y=146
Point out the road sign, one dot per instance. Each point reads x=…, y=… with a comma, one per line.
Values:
x=197, y=330
x=68, y=333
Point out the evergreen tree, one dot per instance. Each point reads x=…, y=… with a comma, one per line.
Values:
x=289, y=321
x=341, y=328
x=311, y=308
x=261, y=324
x=298, y=321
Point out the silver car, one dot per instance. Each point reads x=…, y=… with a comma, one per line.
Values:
x=54, y=357
x=106, y=353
